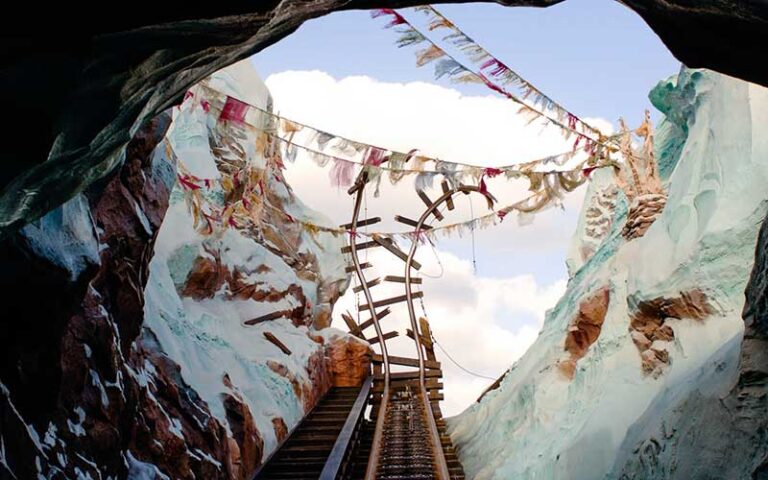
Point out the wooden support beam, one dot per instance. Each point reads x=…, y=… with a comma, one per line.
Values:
x=353, y=327
x=407, y=362
x=362, y=223
x=449, y=200
x=424, y=340
x=396, y=279
x=436, y=396
x=379, y=315
x=389, y=245
x=387, y=336
x=412, y=223
x=363, y=266
x=360, y=246
x=424, y=198
x=426, y=332
x=277, y=343
x=370, y=284
x=360, y=181
x=414, y=375
x=432, y=384
x=265, y=318
x=390, y=301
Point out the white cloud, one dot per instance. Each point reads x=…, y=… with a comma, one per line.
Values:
x=484, y=322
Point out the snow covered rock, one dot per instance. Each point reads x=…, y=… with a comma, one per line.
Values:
x=130, y=353
x=659, y=389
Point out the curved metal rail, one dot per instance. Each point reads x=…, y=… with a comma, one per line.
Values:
x=440, y=462
x=379, y=432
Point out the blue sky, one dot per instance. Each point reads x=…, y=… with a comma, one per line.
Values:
x=596, y=57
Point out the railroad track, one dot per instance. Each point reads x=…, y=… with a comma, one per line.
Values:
x=405, y=437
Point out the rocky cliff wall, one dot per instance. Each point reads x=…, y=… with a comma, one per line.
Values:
x=638, y=370
x=124, y=348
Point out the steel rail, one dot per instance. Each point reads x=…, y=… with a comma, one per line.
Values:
x=373, y=459
x=442, y=466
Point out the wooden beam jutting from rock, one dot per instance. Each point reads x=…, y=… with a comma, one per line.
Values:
x=265, y=318
x=277, y=343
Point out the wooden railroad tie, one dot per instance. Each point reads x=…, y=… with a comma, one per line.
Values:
x=360, y=246
x=362, y=223
x=353, y=327
x=407, y=362
x=424, y=198
x=386, y=336
x=277, y=343
x=379, y=315
x=449, y=200
x=392, y=248
x=412, y=223
x=396, y=279
x=352, y=268
x=369, y=284
x=390, y=301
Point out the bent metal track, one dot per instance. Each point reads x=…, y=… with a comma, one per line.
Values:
x=404, y=435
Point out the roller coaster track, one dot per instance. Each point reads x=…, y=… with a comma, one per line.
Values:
x=405, y=437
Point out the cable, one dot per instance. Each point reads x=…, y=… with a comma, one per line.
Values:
x=434, y=340
x=472, y=231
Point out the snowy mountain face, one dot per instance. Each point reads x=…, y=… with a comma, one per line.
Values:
x=140, y=354
x=640, y=370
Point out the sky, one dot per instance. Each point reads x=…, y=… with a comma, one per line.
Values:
x=343, y=74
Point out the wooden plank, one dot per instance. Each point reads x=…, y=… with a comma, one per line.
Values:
x=379, y=315
x=431, y=384
x=370, y=284
x=392, y=248
x=277, y=343
x=363, y=266
x=360, y=181
x=426, y=332
x=396, y=279
x=362, y=223
x=414, y=374
x=353, y=327
x=412, y=223
x=265, y=318
x=407, y=362
x=360, y=246
x=390, y=301
x=424, y=341
x=449, y=200
x=436, y=396
x=387, y=336
x=424, y=198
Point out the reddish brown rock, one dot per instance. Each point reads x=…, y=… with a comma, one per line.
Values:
x=350, y=360
x=281, y=430
x=585, y=329
x=649, y=322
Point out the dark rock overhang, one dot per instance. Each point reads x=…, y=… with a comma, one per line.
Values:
x=76, y=84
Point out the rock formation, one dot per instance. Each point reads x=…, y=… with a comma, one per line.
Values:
x=657, y=383
x=129, y=355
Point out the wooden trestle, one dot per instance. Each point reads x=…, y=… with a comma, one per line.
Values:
x=405, y=436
